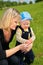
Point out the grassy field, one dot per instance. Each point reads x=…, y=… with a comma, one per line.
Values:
x=36, y=11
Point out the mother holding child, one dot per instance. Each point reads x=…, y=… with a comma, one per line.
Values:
x=8, y=27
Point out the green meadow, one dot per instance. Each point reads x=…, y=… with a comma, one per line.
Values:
x=36, y=11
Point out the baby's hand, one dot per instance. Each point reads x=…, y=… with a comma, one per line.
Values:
x=28, y=41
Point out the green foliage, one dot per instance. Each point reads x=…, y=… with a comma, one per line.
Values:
x=30, y=2
x=14, y=3
x=9, y=4
x=24, y=3
x=38, y=0
x=1, y=4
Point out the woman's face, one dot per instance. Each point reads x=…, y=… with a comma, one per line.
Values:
x=14, y=22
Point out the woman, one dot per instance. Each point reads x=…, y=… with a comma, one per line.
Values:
x=8, y=27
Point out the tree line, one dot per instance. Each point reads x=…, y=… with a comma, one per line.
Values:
x=4, y=4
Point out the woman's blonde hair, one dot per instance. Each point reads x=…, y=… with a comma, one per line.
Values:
x=6, y=19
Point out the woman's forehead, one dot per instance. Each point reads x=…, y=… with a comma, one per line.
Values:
x=17, y=18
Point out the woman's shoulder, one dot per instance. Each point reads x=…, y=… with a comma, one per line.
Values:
x=1, y=32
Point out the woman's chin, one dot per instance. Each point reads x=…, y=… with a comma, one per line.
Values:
x=13, y=28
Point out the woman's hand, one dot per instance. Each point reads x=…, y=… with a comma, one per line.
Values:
x=29, y=48
x=26, y=47
x=23, y=47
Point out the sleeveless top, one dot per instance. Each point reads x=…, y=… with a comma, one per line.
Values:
x=4, y=45
x=24, y=34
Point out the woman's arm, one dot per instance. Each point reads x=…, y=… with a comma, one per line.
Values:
x=12, y=51
x=9, y=52
x=17, y=48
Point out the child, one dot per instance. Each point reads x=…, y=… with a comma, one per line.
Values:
x=24, y=34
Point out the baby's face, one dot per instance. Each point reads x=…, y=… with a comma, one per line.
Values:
x=25, y=24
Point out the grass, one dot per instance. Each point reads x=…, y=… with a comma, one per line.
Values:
x=36, y=11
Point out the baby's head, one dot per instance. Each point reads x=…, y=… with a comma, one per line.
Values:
x=25, y=19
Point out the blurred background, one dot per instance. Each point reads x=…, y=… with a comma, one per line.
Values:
x=35, y=7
